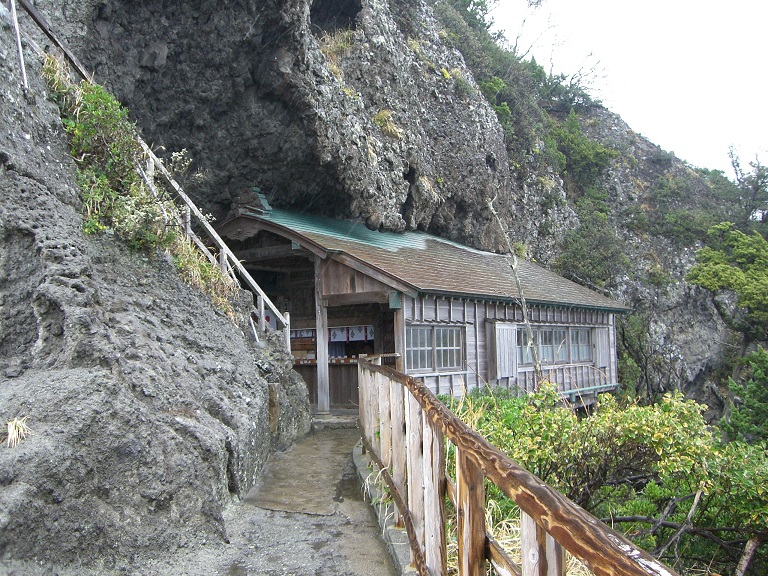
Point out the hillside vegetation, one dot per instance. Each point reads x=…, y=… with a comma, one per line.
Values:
x=641, y=215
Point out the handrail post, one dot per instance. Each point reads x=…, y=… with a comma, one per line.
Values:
x=541, y=554
x=435, y=551
x=287, y=331
x=415, y=468
x=470, y=516
x=397, y=410
x=262, y=320
x=188, y=221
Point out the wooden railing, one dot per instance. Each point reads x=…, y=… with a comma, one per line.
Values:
x=226, y=260
x=404, y=427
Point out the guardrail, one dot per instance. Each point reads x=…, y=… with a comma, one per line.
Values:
x=404, y=427
x=226, y=260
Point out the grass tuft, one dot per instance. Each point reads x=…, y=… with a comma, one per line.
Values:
x=17, y=431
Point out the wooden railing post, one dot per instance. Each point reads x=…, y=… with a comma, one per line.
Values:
x=374, y=431
x=385, y=435
x=541, y=554
x=287, y=331
x=414, y=466
x=397, y=413
x=363, y=383
x=435, y=552
x=470, y=516
x=260, y=308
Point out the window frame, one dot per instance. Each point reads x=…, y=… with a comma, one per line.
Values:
x=443, y=341
x=566, y=345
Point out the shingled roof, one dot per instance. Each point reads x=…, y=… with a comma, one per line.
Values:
x=426, y=263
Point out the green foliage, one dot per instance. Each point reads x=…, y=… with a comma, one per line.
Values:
x=476, y=13
x=736, y=262
x=592, y=253
x=383, y=119
x=103, y=143
x=749, y=416
x=115, y=198
x=585, y=158
x=753, y=191
x=642, y=468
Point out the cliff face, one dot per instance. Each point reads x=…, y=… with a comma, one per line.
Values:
x=149, y=409
x=351, y=109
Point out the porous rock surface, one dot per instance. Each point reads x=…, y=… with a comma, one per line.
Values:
x=149, y=409
x=292, y=95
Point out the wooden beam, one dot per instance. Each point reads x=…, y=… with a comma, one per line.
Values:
x=376, y=297
x=272, y=252
x=374, y=273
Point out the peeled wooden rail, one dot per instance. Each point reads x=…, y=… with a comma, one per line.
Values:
x=403, y=426
x=226, y=259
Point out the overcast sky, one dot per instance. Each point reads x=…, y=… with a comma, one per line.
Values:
x=688, y=75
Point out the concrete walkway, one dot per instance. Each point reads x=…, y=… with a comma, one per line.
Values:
x=306, y=517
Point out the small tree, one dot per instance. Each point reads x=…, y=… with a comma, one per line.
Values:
x=753, y=189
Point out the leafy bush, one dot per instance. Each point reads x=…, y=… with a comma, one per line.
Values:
x=738, y=263
x=657, y=472
x=103, y=142
x=592, y=253
x=585, y=158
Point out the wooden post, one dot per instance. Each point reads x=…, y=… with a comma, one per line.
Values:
x=385, y=420
x=287, y=331
x=262, y=319
x=321, y=324
x=435, y=551
x=415, y=469
x=397, y=412
x=373, y=412
x=363, y=383
x=541, y=554
x=471, y=516
x=400, y=339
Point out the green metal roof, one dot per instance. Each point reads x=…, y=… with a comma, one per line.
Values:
x=425, y=262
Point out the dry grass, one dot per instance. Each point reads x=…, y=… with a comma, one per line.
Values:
x=17, y=431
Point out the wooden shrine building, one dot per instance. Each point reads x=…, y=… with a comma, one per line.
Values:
x=452, y=312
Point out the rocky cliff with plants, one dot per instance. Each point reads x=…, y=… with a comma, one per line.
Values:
x=402, y=115
x=397, y=113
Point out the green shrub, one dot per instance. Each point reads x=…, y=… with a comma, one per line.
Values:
x=644, y=469
x=585, y=159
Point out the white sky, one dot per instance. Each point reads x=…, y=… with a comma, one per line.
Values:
x=689, y=75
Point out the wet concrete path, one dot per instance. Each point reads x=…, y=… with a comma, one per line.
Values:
x=306, y=517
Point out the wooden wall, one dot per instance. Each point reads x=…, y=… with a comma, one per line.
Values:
x=479, y=316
